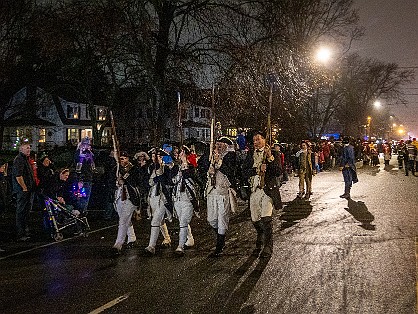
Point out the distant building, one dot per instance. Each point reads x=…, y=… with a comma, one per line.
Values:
x=47, y=121
x=50, y=121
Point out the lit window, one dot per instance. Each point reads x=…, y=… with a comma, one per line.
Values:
x=72, y=135
x=42, y=135
x=101, y=114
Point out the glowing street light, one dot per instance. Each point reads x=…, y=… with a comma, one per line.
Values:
x=377, y=104
x=323, y=55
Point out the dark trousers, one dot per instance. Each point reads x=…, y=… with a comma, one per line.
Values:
x=409, y=166
x=24, y=201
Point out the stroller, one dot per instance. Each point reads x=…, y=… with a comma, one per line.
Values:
x=58, y=217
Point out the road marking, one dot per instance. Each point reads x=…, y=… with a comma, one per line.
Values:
x=110, y=304
x=53, y=243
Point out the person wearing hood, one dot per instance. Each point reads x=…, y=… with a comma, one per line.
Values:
x=348, y=167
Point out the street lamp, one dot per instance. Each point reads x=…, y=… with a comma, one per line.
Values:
x=377, y=104
x=323, y=55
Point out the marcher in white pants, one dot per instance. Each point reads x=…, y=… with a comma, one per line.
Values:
x=222, y=171
x=159, y=200
x=125, y=210
x=183, y=195
x=126, y=197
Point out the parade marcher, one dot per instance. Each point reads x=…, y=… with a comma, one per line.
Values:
x=24, y=187
x=126, y=200
x=304, y=156
x=348, y=167
x=387, y=153
x=415, y=143
x=220, y=194
x=401, y=154
x=143, y=161
x=279, y=157
x=184, y=198
x=374, y=155
x=411, y=157
x=160, y=200
x=261, y=170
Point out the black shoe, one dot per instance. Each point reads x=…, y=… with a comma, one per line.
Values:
x=130, y=245
x=216, y=253
x=346, y=196
x=116, y=251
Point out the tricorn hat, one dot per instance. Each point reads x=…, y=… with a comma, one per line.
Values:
x=226, y=140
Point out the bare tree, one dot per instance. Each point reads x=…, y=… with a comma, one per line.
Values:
x=362, y=82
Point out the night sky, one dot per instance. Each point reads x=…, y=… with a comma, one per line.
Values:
x=391, y=35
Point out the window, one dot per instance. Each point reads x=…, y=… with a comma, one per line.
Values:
x=205, y=113
x=72, y=135
x=196, y=112
x=101, y=114
x=87, y=133
x=73, y=112
x=42, y=135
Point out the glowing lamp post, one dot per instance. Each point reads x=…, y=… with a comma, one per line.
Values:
x=323, y=55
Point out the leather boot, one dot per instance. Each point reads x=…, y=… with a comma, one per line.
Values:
x=220, y=245
x=259, y=242
x=346, y=194
x=267, y=224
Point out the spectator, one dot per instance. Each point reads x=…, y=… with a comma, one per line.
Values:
x=24, y=187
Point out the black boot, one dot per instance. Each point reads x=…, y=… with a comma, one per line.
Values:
x=259, y=242
x=346, y=194
x=220, y=245
x=267, y=224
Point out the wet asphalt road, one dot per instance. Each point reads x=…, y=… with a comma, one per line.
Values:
x=330, y=256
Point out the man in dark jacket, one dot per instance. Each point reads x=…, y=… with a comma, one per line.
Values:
x=261, y=171
x=24, y=187
x=348, y=167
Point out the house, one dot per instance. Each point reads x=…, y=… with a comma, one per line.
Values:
x=47, y=120
x=137, y=127
x=50, y=121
